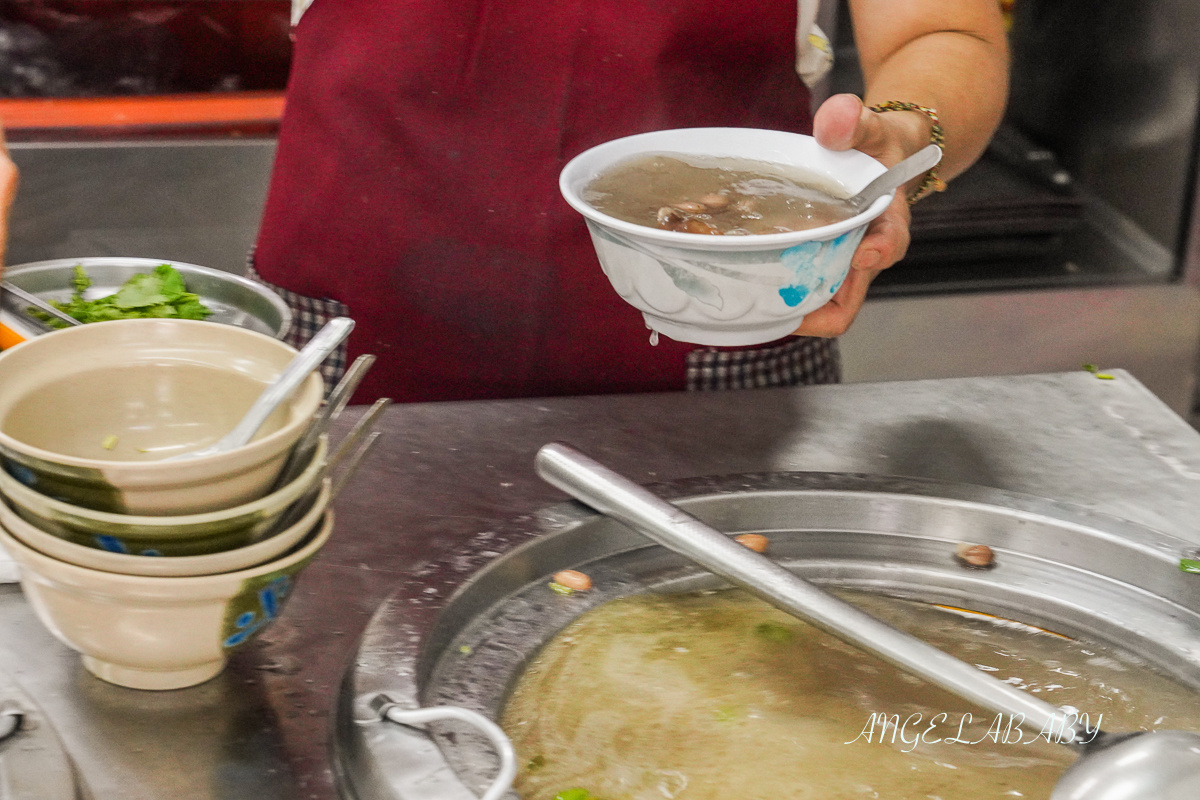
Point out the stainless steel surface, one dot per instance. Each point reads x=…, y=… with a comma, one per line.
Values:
x=197, y=201
x=352, y=461
x=896, y=176
x=1127, y=770
x=33, y=764
x=1161, y=764
x=1059, y=567
x=362, y=426
x=612, y=494
x=234, y=300
x=964, y=335
x=447, y=488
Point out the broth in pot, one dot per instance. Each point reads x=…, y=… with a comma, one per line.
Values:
x=718, y=696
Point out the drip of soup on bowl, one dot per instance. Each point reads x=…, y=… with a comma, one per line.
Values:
x=716, y=695
x=728, y=196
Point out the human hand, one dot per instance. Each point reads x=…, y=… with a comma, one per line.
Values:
x=844, y=123
x=8, y=192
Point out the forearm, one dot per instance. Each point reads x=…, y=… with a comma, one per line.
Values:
x=8, y=192
x=957, y=66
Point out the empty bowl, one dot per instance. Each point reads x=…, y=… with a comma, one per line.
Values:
x=250, y=555
x=88, y=414
x=725, y=290
x=158, y=632
x=188, y=535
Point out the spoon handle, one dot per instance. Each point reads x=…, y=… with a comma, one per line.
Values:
x=307, y=360
x=38, y=303
x=613, y=495
x=919, y=162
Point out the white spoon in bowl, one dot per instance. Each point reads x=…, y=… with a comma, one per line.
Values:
x=896, y=176
x=294, y=374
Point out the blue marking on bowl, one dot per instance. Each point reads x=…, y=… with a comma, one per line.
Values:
x=813, y=264
x=268, y=601
x=22, y=473
x=793, y=295
x=110, y=543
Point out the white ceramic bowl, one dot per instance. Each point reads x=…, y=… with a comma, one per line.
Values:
x=88, y=414
x=158, y=632
x=189, y=535
x=725, y=290
x=238, y=558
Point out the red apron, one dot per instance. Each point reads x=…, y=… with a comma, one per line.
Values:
x=417, y=176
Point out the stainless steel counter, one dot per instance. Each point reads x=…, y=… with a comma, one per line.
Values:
x=446, y=474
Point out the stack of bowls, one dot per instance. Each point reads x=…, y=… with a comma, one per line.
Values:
x=153, y=569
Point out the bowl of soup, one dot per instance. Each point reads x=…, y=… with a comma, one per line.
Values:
x=93, y=415
x=722, y=236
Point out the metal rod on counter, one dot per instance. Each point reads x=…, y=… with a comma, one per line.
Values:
x=616, y=496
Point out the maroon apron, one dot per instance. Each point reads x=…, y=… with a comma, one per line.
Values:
x=416, y=178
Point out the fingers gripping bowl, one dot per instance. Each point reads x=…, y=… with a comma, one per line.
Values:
x=725, y=290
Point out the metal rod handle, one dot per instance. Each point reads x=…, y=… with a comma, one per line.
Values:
x=616, y=496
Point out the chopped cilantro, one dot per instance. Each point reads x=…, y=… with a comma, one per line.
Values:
x=160, y=293
x=774, y=632
x=575, y=794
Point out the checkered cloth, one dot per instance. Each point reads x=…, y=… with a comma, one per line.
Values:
x=309, y=315
x=795, y=362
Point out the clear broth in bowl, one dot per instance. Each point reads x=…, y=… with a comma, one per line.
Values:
x=731, y=197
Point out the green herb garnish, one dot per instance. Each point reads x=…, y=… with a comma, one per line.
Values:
x=774, y=632
x=558, y=587
x=575, y=794
x=1104, y=376
x=109, y=442
x=157, y=294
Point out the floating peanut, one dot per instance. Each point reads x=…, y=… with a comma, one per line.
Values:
x=755, y=541
x=976, y=556
x=715, y=201
x=691, y=207
x=573, y=579
x=700, y=226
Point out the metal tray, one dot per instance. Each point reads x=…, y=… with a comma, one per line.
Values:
x=234, y=300
x=1085, y=574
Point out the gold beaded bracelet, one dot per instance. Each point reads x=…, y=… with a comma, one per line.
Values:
x=931, y=182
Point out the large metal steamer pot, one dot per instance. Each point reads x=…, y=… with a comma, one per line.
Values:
x=461, y=631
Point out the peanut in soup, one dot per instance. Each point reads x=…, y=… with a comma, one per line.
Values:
x=731, y=197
